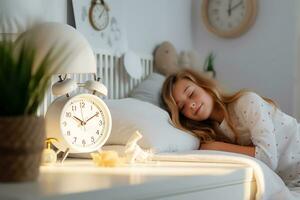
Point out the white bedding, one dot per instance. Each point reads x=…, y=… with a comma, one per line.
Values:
x=269, y=184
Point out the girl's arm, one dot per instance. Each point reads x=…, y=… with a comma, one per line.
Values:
x=222, y=146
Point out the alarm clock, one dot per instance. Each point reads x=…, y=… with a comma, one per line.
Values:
x=82, y=122
x=99, y=15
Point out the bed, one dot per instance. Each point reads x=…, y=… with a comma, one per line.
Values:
x=176, y=170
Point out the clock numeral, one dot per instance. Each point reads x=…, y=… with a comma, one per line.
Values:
x=68, y=114
x=93, y=139
x=73, y=108
x=83, y=142
x=97, y=132
x=68, y=133
x=82, y=104
x=64, y=123
x=91, y=107
x=74, y=141
x=100, y=122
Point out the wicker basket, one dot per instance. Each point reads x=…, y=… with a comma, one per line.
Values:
x=21, y=145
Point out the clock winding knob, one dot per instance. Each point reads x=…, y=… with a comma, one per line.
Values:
x=96, y=87
x=63, y=87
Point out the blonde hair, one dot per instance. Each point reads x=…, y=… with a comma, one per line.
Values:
x=205, y=130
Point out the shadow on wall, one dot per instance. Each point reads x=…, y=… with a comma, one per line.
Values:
x=70, y=14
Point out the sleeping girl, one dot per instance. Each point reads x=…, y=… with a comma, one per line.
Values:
x=243, y=122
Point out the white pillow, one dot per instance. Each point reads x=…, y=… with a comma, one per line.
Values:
x=150, y=89
x=129, y=115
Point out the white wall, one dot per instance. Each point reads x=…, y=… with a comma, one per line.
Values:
x=147, y=22
x=297, y=70
x=151, y=22
x=55, y=10
x=264, y=59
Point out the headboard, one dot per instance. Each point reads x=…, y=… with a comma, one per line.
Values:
x=113, y=75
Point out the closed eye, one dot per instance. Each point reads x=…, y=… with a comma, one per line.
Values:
x=191, y=95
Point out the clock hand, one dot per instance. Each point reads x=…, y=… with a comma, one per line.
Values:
x=237, y=5
x=101, y=13
x=97, y=113
x=83, y=123
x=76, y=118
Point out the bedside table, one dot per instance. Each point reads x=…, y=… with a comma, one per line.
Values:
x=81, y=179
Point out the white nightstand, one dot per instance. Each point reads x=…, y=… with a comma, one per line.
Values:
x=81, y=179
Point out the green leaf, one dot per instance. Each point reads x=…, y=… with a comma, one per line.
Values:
x=23, y=89
x=209, y=62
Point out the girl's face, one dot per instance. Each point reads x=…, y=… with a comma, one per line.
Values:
x=192, y=101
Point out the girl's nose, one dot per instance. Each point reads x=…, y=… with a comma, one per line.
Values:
x=193, y=105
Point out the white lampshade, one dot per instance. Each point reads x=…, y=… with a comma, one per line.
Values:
x=75, y=50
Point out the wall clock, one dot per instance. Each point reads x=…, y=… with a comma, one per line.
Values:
x=229, y=18
x=112, y=38
x=99, y=14
x=81, y=122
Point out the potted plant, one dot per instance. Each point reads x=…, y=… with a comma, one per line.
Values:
x=209, y=65
x=23, y=88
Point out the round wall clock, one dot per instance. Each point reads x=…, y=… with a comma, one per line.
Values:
x=229, y=18
x=99, y=15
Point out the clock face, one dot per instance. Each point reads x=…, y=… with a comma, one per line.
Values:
x=98, y=16
x=228, y=18
x=85, y=123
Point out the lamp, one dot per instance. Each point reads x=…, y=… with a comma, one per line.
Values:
x=77, y=55
x=45, y=36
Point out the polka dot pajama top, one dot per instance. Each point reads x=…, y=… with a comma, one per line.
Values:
x=274, y=134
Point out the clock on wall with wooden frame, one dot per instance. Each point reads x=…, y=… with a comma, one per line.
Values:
x=229, y=18
x=99, y=14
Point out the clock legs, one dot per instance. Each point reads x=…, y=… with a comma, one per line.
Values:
x=64, y=156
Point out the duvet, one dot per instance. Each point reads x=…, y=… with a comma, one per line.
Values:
x=269, y=185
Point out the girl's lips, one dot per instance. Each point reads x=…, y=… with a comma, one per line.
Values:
x=199, y=109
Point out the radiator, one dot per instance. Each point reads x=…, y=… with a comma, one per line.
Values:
x=113, y=75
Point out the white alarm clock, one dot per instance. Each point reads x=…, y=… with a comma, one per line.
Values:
x=81, y=122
